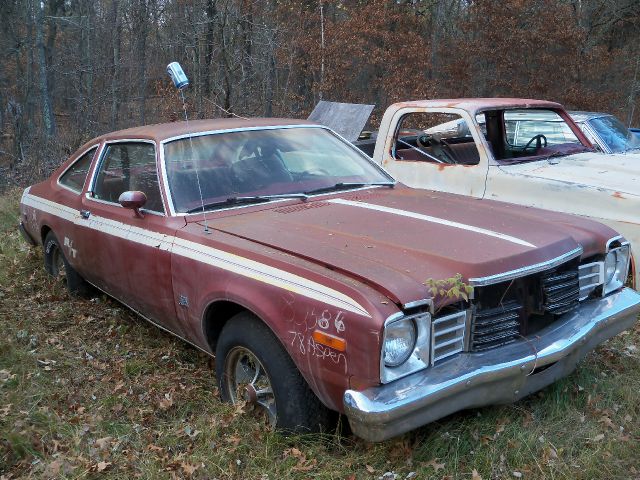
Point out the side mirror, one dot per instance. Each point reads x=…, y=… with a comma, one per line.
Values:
x=134, y=200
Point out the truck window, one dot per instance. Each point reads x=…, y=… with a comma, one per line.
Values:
x=435, y=137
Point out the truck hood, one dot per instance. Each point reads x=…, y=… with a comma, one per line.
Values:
x=396, y=239
x=615, y=173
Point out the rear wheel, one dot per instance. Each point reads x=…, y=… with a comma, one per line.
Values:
x=253, y=367
x=56, y=265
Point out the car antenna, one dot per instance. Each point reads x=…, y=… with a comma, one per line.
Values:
x=181, y=82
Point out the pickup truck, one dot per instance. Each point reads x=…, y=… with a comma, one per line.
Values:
x=473, y=147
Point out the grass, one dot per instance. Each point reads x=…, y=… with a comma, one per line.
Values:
x=88, y=390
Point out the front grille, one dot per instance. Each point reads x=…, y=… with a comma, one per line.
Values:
x=591, y=276
x=519, y=308
x=561, y=291
x=447, y=336
x=493, y=327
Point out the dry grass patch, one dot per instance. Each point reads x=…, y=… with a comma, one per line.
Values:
x=87, y=389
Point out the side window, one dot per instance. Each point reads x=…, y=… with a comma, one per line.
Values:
x=435, y=138
x=129, y=166
x=76, y=175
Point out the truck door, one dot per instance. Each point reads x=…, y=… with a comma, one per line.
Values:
x=437, y=150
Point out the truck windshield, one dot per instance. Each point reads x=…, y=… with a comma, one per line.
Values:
x=265, y=162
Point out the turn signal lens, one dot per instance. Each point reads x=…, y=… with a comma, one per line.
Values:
x=330, y=341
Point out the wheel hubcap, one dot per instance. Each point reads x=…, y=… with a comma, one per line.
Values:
x=247, y=380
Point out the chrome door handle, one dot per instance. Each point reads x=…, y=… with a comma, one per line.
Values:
x=85, y=214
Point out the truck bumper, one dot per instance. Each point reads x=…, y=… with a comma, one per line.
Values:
x=26, y=235
x=498, y=376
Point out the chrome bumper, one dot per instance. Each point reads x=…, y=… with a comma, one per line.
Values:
x=503, y=375
x=29, y=239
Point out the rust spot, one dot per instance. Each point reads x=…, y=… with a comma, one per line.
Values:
x=618, y=195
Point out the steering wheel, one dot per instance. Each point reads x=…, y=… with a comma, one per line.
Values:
x=538, y=139
x=439, y=146
x=423, y=140
x=265, y=165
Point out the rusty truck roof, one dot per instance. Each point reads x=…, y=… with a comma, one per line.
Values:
x=473, y=105
x=163, y=131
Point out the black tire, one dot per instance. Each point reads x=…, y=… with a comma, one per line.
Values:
x=56, y=265
x=297, y=409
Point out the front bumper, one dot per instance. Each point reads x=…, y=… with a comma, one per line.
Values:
x=503, y=375
x=29, y=239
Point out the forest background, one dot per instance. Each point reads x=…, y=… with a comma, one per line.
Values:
x=74, y=69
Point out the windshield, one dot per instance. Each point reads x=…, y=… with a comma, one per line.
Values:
x=262, y=162
x=613, y=132
x=530, y=134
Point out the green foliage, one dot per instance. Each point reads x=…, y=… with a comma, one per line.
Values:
x=453, y=288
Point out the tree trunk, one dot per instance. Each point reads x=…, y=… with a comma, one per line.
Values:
x=55, y=7
x=48, y=119
x=116, y=30
x=140, y=51
x=212, y=12
x=436, y=27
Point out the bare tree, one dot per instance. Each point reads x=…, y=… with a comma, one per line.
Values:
x=48, y=118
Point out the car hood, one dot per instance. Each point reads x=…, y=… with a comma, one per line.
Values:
x=396, y=239
x=615, y=173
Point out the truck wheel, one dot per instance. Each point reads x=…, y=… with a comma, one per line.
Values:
x=56, y=265
x=252, y=366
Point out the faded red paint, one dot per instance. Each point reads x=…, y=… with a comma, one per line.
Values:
x=376, y=259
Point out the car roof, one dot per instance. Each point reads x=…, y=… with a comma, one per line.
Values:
x=584, y=116
x=164, y=131
x=474, y=105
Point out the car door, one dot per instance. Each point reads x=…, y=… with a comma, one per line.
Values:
x=437, y=149
x=129, y=251
x=67, y=192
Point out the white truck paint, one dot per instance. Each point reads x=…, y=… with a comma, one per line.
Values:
x=602, y=187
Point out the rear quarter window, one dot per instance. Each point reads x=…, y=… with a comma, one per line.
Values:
x=76, y=174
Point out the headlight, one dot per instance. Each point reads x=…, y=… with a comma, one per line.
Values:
x=399, y=342
x=616, y=268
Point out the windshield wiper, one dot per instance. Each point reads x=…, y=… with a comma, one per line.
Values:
x=347, y=185
x=246, y=200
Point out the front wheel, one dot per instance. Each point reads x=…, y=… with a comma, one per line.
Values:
x=56, y=265
x=252, y=367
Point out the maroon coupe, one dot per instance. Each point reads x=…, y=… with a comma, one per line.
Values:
x=307, y=270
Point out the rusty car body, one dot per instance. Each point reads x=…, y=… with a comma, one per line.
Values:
x=301, y=264
x=488, y=153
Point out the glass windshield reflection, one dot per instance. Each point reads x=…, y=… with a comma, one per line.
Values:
x=262, y=162
x=613, y=132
